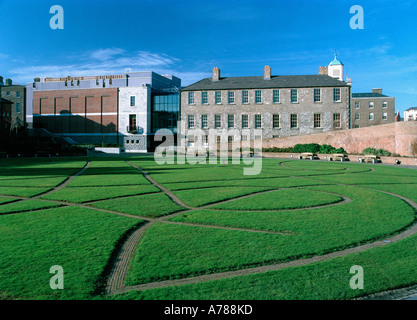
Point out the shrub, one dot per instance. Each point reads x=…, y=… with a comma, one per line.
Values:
x=276, y=149
x=325, y=148
x=309, y=147
x=379, y=152
x=339, y=150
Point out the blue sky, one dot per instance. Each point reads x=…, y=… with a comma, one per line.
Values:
x=189, y=38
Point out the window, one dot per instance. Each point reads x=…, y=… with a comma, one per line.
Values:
x=357, y=117
x=205, y=140
x=275, y=120
x=357, y=105
x=294, y=121
x=275, y=96
x=294, y=95
x=230, y=120
x=190, y=97
x=336, y=120
x=371, y=105
x=371, y=116
x=18, y=95
x=258, y=121
x=217, y=121
x=258, y=96
x=204, y=123
x=7, y=93
x=317, y=120
x=245, y=121
x=317, y=95
x=204, y=99
x=245, y=96
x=132, y=101
x=190, y=121
x=384, y=104
x=356, y=126
x=17, y=107
x=132, y=124
x=191, y=141
x=218, y=97
x=384, y=116
x=336, y=94
x=231, y=97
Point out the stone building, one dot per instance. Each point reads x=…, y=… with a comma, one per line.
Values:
x=278, y=105
x=372, y=108
x=16, y=94
x=125, y=109
x=410, y=114
x=5, y=116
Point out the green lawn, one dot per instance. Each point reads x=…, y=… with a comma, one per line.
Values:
x=78, y=239
x=392, y=266
x=296, y=205
x=281, y=199
x=149, y=205
x=84, y=194
x=26, y=205
x=200, y=197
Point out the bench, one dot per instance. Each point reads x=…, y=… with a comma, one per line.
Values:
x=370, y=158
x=308, y=155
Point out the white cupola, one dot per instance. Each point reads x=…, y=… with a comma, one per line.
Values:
x=336, y=69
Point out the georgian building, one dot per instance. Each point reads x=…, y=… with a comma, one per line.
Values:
x=372, y=108
x=16, y=94
x=278, y=105
x=410, y=114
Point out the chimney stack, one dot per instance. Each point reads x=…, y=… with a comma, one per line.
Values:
x=377, y=90
x=324, y=70
x=267, y=73
x=8, y=82
x=216, y=74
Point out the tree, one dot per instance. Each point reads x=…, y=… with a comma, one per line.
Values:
x=413, y=148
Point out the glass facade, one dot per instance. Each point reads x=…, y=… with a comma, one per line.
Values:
x=165, y=108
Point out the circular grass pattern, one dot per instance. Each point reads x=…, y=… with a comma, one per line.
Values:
x=282, y=199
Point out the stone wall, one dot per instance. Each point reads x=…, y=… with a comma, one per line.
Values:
x=394, y=137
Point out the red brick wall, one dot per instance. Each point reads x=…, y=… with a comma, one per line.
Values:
x=77, y=101
x=394, y=137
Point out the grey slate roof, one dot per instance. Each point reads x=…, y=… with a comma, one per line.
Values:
x=412, y=108
x=369, y=95
x=258, y=82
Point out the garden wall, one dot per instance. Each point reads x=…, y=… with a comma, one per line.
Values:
x=394, y=137
x=352, y=157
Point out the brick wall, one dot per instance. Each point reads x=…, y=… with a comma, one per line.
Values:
x=76, y=111
x=395, y=137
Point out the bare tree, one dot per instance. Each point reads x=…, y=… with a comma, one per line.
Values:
x=413, y=147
